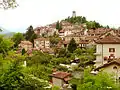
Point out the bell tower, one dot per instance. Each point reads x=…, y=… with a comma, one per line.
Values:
x=74, y=14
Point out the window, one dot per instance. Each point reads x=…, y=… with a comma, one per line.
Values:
x=115, y=67
x=111, y=49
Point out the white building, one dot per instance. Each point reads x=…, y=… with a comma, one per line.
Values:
x=41, y=43
x=107, y=49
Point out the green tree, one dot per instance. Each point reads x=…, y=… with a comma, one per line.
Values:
x=5, y=45
x=58, y=25
x=78, y=52
x=17, y=38
x=72, y=45
x=23, y=51
x=34, y=36
x=102, y=81
x=62, y=52
x=30, y=35
x=1, y=30
x=12, y=78
x=54, y=40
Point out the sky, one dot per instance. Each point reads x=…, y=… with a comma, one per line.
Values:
x=43, y=12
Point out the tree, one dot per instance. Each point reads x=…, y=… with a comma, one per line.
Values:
x=30, y=35
x=102, y=81
x=58, y=25
x=8, y=4
x=1, y=30
x=5, y=45
x=78, y=52
x=17, y=38
x=62, y=52
x=34, y=36
x=12, y=78
x=23, y=51
x=72, y=45
x=54, y=40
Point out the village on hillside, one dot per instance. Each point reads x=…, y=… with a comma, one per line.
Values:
x=69, y=54
x=60, y=38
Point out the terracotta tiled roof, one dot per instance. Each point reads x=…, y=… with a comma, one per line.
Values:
x=65, y=42
x=60, y=75
x=117, y=61
x=26, y=42
x=84, y=42
x=61, y=31
x=42, y=39
x=109, y=39
x=73, y=35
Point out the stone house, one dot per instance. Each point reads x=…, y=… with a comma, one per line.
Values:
x=75, y=36
x=60, y=79
x=27, y=45
x=41, y=43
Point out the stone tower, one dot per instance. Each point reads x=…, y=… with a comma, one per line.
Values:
x=74, y=14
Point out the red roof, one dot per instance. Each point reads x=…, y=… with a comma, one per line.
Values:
x=60, y=75
x=42, y=39
x=117, y=61
x=109, y=39
x=61, y=31
x=84, y=42
x=26, y=42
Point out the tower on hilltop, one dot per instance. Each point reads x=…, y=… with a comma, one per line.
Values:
x=74, y=14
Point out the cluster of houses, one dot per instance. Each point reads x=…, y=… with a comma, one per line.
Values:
x=107, y=42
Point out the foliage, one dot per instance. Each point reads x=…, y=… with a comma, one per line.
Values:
x=99, y=82
x=8, y=4
x=12, y=78
x=82, y=20
x=34, y=36
x=23, y=51
x=30, y=35
x=55, y=88
x=92, y=25
x=5, y=45
x=57, y=61
x=62, y=52
x=72, y=45
x=39, y=71
x=17, y=38
x=54, y=40
x=78, y=19
x=58, y=26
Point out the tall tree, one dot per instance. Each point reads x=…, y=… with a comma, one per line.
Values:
x=30, y=35
x=58, y=25
x=17, y=38
x=72, y=45
x=29, y=32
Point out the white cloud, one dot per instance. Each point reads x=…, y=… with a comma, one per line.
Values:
x=41, y=12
